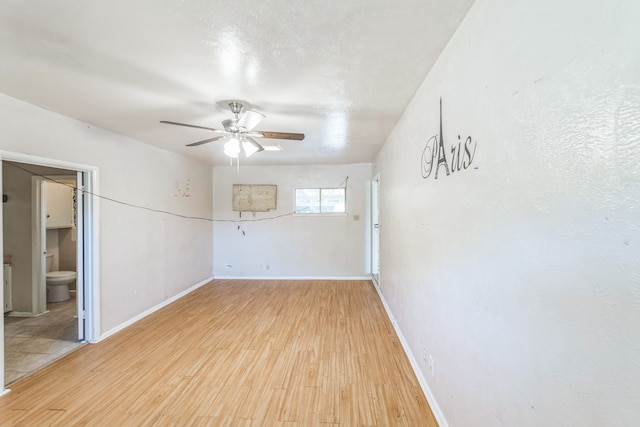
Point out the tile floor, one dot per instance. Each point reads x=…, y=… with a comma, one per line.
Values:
x=33, y=342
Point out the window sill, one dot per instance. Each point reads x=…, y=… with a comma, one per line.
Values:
x=321, y=214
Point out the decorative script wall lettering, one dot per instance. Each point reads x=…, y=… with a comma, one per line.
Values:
x=434, y=154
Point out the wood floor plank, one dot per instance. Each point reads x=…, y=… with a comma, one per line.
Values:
x=236, y=352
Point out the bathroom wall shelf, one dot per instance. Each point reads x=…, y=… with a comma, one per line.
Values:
x=59, y=206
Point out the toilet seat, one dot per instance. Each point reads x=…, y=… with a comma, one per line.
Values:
x=60, y=276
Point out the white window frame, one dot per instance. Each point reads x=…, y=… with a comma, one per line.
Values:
x=320, y=212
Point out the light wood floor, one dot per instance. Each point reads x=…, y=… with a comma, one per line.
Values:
x=236, y=353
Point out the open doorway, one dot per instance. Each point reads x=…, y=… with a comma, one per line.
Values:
x=43, y=321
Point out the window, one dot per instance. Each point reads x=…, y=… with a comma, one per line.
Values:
x=320, y=200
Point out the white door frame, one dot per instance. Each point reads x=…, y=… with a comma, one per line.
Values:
x=90, y=243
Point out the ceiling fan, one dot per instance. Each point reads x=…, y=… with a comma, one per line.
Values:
x=238, y=132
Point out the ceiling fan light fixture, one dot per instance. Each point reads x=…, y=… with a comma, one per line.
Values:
x=232, y=148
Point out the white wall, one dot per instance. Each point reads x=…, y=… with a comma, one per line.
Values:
x=145, y=257
x=520, y=274
x=293, y=246
x=16, y=240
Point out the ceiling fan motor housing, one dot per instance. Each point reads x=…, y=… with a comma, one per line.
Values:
x=236, y=108
x=231, y=125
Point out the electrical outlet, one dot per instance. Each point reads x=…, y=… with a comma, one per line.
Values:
x=430, y=364
x=424, y=354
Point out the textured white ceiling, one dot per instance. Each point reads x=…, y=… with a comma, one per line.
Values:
x=339, y=71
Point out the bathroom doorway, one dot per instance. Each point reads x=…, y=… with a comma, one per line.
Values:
x=58, y=243
x=37, y=331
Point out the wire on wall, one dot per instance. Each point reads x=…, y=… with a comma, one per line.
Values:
x=142, y=207
x=345, y=182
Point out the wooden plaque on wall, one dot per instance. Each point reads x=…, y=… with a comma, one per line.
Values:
x=254, y=198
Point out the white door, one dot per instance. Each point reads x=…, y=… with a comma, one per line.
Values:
x=375, y=233
x=39, y=245
x=78, y=203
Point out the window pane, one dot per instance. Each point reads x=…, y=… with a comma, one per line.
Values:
x=333, y=200
x=307, y=200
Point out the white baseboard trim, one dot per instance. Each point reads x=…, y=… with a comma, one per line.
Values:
x=435, y=408
x=151, y=310
x=293, y=277
x=5, y=391
x=25, y=314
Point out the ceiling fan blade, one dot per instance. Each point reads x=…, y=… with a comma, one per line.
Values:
x=204, y=141
x=192, y=126
x=251, y=146
x=250, y=119
x=254, y=143
x=279, y=135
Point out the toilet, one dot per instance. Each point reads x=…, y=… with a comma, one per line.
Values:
x=58, y=282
